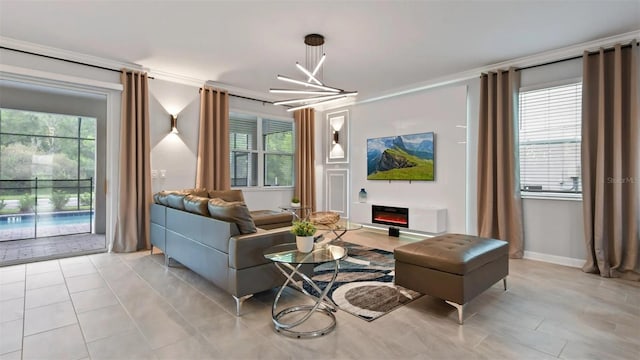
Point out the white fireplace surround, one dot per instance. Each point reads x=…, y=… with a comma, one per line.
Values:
x=424, y=219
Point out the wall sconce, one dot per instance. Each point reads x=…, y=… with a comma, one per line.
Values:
x=174, y=124
x=338, y=137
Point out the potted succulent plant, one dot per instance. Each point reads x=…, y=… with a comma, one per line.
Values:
x=303, y=230
x=295, y=202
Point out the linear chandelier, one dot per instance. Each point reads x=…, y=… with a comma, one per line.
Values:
x=314, y=91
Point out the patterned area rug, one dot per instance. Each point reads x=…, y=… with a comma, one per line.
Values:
x=364, y=286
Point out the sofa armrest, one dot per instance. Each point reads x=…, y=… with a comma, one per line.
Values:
x=247, y=250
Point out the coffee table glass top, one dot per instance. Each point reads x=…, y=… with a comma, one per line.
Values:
x=289, y=254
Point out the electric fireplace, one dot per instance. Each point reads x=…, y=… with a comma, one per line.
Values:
x=390, y=215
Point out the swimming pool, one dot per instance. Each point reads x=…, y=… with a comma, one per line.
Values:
x=46, y=219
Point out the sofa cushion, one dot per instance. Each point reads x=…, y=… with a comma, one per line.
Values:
x=202, y=192
x=226, y=195
x=232, y=211
x=172, y=199
x=196, y=204
x=265, y=218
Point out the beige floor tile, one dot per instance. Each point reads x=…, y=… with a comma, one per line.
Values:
x=129, y=345
x=42, y=266
x=16, y=355
x=83, y=259
x=105, y=259
x=14, y=275
x=62, y=343
x=162, y=328
x=610, y=349
x=11, y=309
x=46, y=295
x=193, y=347
x=36, y=281
x=12, y=268
x=12, y=290
x=105, y=322
x=48, y=317
x=93, y=299
x=85, y=282
x=10, y=336
x=77, y=269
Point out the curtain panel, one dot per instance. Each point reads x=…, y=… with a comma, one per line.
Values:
x=305, y=182
x=499, y=202
x=610, y=162
x=212, y=170
x=132, y=222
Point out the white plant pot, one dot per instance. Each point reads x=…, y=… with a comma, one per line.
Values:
x=295, y=205
x=304, y=243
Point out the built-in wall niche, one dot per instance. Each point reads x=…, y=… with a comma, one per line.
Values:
x=338, y=137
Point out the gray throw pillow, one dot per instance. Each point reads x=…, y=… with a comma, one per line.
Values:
x=196, y=191
x=196, y=204
x=235, y=212
x=227, y=195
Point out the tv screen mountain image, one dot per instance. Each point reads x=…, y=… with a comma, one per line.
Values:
x=402, y=157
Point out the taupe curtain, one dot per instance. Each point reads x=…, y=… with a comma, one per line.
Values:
x=213, y=170
x=132, y=223
x=609, y=162
x=499, y=203
x=305, y=186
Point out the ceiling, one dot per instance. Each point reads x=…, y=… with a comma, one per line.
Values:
x=371, y=46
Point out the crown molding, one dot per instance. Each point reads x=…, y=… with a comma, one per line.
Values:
x=540, y=58
x=95, y=60
x=66, y=54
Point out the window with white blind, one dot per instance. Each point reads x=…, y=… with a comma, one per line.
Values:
x=550, y=136
x=261, y=151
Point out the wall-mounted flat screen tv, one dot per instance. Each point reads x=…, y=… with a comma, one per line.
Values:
x=404, y=157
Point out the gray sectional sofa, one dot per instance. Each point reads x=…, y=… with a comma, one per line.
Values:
x=216, y=248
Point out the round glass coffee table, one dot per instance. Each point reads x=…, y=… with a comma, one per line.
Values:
x=338, y=229
x=288, y=260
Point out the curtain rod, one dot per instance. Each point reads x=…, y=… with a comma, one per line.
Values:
x=109, y=69
x=66, y=60
x=575, y=57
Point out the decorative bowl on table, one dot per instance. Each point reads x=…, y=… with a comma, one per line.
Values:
x=324, y=217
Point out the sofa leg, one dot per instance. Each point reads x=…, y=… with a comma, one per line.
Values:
x=504, y=282
x=460, y=310
x=151, y=253
x=239, y=301
x=166, y=260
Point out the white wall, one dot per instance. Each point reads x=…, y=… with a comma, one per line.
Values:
x=438, y=110
x=177, y=153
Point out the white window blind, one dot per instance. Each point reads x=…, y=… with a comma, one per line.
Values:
x=550, y=136
x=261, y=151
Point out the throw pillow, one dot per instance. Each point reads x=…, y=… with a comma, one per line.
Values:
x=196, y=191
x=227, y=195
x=235, y=212
x=196, y=204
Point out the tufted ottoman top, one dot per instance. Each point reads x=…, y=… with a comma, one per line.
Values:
x=452, y=253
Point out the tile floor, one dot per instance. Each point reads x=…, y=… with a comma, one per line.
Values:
x=118, y=306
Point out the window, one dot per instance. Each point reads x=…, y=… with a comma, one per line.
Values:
x=261, y=151
x=550, y=136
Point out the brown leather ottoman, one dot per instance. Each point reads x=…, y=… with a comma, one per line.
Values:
x=452, y=267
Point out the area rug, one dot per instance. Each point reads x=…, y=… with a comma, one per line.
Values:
x=364, y=286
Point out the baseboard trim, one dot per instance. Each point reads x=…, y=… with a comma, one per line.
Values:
x=554, y=259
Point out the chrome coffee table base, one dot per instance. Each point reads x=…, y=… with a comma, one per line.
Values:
x=323, y=304
x=282, y=328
